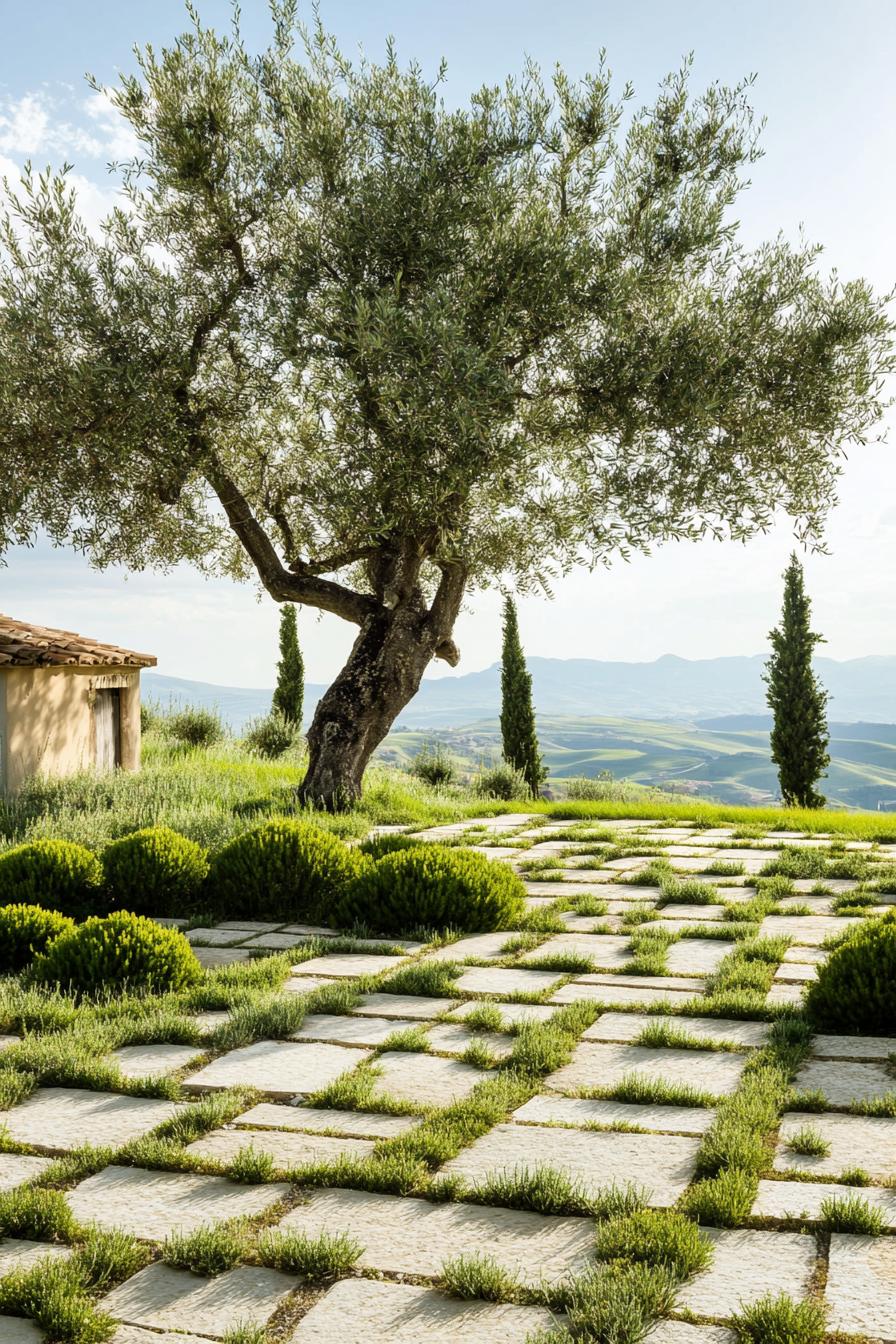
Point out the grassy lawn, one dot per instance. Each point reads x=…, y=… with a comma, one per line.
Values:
x=212, y=794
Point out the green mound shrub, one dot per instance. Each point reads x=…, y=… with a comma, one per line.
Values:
x=433, y=887
x=155, y=871
x=435, y=765
x=25, y=931
x=270, y=736
x=503, y=782
x=856, y=987
x=282, y=869
x=117, y=952
x=55, y=874
x=195, y=727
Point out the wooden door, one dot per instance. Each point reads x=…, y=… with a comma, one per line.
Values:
x=107, y=720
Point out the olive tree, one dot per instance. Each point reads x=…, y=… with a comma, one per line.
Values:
x=378, y=350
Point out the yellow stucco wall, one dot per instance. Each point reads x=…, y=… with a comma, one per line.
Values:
x=47, y=721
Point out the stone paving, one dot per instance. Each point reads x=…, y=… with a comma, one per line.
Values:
x=343, y=1087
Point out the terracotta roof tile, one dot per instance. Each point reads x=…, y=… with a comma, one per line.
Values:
x=23, y=645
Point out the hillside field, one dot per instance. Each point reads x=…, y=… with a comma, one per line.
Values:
x=725, y=759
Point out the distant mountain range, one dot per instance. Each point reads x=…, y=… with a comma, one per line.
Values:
x=670, y=689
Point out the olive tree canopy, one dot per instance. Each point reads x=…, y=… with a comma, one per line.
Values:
x=378, y=350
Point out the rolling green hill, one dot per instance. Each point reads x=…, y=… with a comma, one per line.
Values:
x=727, y=759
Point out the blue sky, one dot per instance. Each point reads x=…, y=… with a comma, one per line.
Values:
x=825, y=86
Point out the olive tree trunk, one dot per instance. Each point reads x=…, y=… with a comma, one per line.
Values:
x=383, y=673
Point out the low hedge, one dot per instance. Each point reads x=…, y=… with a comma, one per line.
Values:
x=856, y=987
x=55, y=874
x=121, y=951
x=26, y=931
x=282, y=870
x=155, y=871
x=432, y=887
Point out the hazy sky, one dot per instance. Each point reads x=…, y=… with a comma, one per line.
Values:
x=826, y=87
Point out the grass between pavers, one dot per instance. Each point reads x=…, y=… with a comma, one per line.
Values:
x=402, y=1166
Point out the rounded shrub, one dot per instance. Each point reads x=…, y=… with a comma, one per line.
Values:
x=195, y=727
x=155, y=871
x=271, y=736
x=26, y=931
x=282, y=869
x=56, y=874
x=432, y=887
x=434, y=765
x=502, y=781
x=120, y=951
x=856, y=987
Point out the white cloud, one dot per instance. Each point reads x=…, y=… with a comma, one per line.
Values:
x=119, y=140
x=41, y=123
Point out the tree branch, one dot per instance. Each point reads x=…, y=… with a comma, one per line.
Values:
x=282, y=585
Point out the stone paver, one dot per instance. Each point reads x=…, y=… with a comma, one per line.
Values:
x=809, y=929
x=696, y=956
x=478, y=947
x=693, y=913
x=604, y=951
x=680, y=1332
x=63, y=1118
x=286, y=1150
x=361, y=1311
x=795, y=973
x=803, y=1199
x=16, y=1170
x=809, y=956
x=15, y=1254
x=274, y=942
x=746, y=1265
x=603, y=1065
x=627, y=1026
x=511, y=1013
x=861, y=1286
x=582, y=1112
x=868, y=1142
x=210, y=957
x=662, y=1163
x=363, y=1030
x=413, y=1236
x=216, y=937
x=784, y=994
x=346, y=965
x=164, y=1298
x=353, y=1124
x=151, y=1204
x=15, y=1330
x=402, y=1005
x=452, y=1038
x=615, y=993
x=678, y=984
x=279, y=1068
x=154, y=1061
x=494, y=980
x=854, y=1047
x=844, y=1081
x=425, y=1080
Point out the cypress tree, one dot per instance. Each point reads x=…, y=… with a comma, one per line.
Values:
x=517, y=715
x=290, y=691
x=798, y=701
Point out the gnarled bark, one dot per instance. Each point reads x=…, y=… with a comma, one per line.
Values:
x=383, y=673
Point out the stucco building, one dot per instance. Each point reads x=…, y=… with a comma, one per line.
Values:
x=66, y=703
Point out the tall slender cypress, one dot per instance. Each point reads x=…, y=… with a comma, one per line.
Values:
x=518, y=732
x=289, y=694
x=798, y=701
